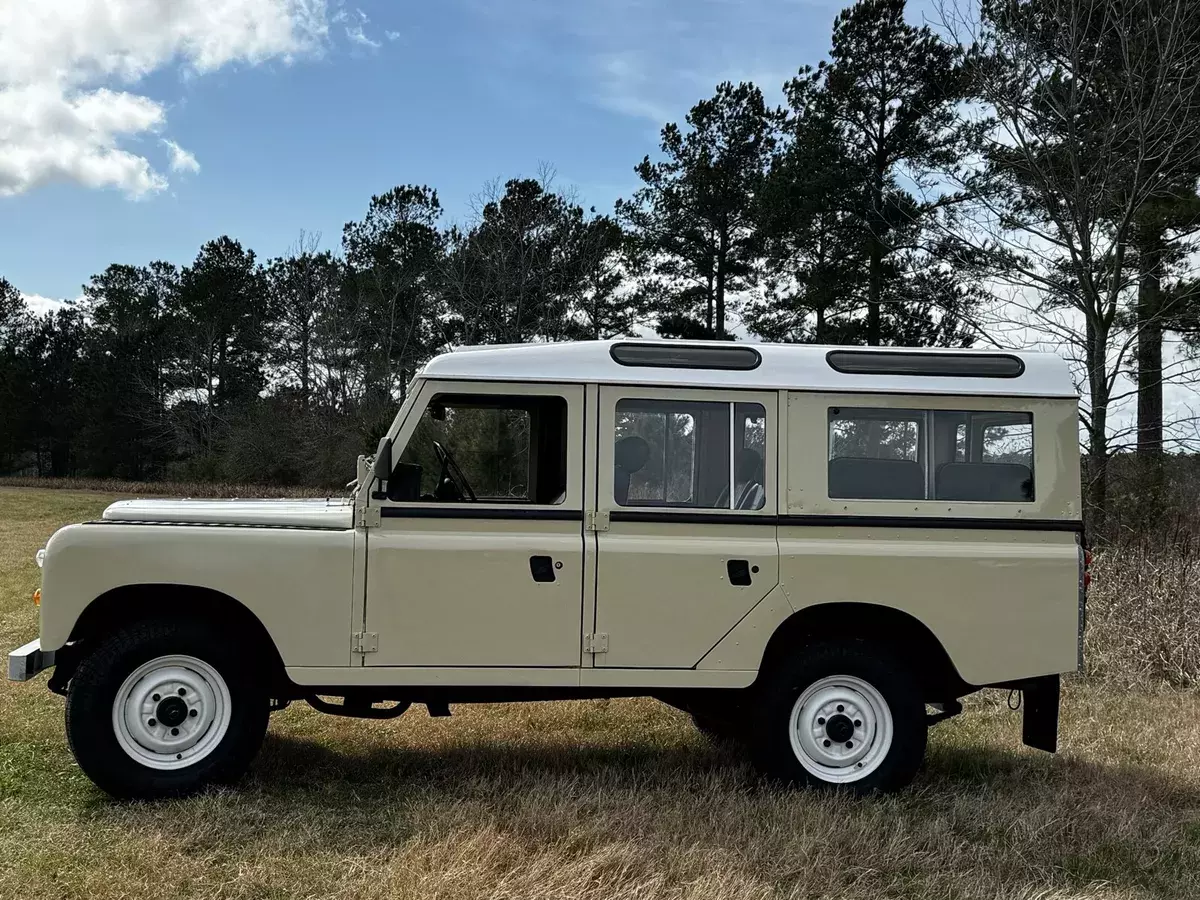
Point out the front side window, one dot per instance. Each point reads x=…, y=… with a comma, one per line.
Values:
x=485, y=448
x=912, y=454
x=691, y=455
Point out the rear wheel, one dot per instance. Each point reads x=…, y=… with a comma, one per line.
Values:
x=162, y=709
x=844, y=715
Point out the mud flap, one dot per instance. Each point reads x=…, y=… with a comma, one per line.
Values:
x=1039, y=728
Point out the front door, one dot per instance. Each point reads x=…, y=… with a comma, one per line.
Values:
x=481, y=563
x=687, y=485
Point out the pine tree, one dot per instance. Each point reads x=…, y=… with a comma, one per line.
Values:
x=891, y=91
x=692, y=223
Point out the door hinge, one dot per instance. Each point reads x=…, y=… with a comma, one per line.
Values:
x=597, y=520
x=595, y=643
x=369, y=517
x=364, y=642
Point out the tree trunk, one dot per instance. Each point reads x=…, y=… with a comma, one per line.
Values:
x=875, y=246
x=1097, y=493
x=708, y=320
x=874, y=292
x=1150, y=378
x=722, y=255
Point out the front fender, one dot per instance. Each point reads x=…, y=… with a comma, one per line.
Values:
x=298, y=582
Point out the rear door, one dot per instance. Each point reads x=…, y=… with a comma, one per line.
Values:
x=687, y=486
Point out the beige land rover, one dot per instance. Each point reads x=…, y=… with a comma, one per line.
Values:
x=815, y=552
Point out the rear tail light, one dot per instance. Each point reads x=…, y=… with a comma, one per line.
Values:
x=1087, y=569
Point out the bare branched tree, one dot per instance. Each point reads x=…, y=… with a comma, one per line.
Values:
x=1094, y=106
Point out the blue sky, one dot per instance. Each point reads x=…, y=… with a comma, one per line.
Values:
x=296, y=133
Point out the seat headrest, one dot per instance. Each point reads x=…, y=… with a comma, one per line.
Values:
x=630, y=453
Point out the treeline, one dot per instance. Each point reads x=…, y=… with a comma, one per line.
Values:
x=1025, y=172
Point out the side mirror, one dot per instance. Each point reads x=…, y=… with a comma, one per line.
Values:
x=381, y=468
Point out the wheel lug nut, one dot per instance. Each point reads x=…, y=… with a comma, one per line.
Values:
x=821, y=721
x=849, y=745
x=182, y=691
x=827, y=743
x=841, y=708
x=156, y=698
x=175, y=731
x=858, y=723
x=152, y=722
x=192, y=713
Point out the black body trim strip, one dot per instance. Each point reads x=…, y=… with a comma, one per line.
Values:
x=725, y=518
x=458, y=512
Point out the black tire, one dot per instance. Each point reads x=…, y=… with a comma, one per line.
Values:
x=773, y=749
x=92, y=734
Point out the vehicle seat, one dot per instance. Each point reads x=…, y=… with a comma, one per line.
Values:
x=629, y=455
x=986, y=482
x=748, y=476
x=861, y=478
x=748, y=472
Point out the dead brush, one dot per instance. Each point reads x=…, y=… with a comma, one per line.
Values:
x=1143, y=626
x=197, y=489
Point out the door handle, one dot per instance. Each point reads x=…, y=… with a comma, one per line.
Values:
x=739, y=571
x=541, y=568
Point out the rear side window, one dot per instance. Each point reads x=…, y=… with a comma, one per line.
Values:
x=913, y=454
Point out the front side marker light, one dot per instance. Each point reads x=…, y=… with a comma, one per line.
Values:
x=37, y=597
x=41, y=557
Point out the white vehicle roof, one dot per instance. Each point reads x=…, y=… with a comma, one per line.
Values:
x=778, y=366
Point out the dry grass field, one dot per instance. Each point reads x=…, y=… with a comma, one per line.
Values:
x=618, y=799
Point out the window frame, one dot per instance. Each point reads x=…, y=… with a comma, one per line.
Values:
x=611, y=395
x=410, y=416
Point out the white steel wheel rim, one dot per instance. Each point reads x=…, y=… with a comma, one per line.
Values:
x=171, y=712
x=841, y=729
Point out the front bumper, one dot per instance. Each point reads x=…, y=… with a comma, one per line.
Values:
x=27, y=661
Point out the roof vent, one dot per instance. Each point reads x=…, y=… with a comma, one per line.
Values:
x=937, y=365
x=684, y=356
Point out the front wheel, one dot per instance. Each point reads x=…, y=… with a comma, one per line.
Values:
x=162, y=709
x=844, y=715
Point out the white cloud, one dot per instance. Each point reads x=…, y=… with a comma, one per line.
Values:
x=355, y=23
x=181, y=160
x=392, y=35
x=354, y=33
x=38, y=305
x=66, y=113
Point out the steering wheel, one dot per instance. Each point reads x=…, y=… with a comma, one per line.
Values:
x=450, y=467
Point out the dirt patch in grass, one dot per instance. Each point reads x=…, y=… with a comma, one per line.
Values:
x=605, y=799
